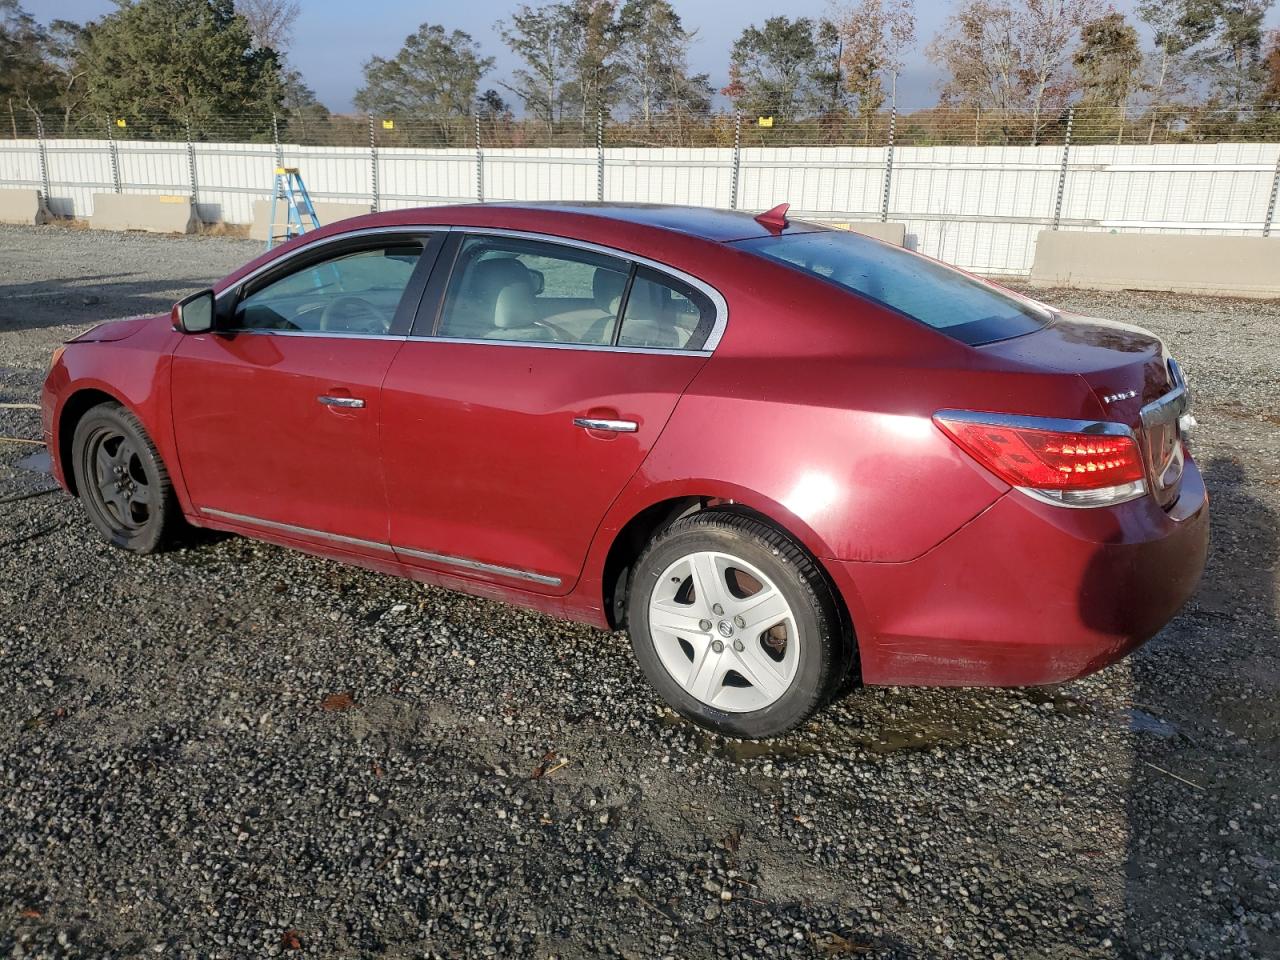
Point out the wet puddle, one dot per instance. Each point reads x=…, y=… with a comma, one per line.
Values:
x=37, y=462
x=1142, y=722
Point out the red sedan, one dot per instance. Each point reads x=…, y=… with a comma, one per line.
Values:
x=777, y=454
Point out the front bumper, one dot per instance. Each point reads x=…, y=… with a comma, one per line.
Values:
x=1027, y=593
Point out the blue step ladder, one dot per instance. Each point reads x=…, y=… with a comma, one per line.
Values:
x=290, y=190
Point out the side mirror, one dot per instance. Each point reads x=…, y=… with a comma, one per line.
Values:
x=195, y=313
x=539, y=281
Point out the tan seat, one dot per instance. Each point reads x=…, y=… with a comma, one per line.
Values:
x=594, y=324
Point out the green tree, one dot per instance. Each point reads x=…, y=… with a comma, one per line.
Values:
x=176, y=60
x=1178, y=26
x=1230, y=62
x=435, y=73
x=537, y=35
x=655, y=48
x=30, y=81
x=592, y=39
x=781, y=69
x=1108, y=61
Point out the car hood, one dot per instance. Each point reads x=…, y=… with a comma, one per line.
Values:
x=113, y=330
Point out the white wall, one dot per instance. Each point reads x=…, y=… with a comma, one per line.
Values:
x=978, y=207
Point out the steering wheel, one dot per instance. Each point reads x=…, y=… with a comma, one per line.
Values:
x=558, y=334
x=352, y=315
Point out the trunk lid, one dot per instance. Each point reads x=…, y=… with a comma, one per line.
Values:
x=1131, y=375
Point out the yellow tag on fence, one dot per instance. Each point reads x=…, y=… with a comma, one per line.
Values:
x=765, y=121
x=121, y=123
x=388, y=124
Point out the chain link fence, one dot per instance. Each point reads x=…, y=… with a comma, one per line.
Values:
x=971, y=187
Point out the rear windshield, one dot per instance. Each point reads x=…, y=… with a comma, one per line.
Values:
x=959, y=306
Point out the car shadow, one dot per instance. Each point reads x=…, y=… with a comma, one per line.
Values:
x=1199, y=873
x=54, y=302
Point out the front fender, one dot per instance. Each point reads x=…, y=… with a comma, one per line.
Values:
x=133, y=372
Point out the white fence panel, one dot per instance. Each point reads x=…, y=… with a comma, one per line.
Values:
x=541, y=174
x=980, y=207
x=416, y=178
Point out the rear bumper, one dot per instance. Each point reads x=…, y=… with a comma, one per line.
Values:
x=1027, y=593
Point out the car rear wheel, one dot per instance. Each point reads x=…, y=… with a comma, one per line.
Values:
x=121, y=479
x=735, y=625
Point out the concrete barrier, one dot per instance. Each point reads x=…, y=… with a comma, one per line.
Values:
x=328, y=212
x=895, y=233
x=22, y=206
x=152, y=213
x=1224, y=266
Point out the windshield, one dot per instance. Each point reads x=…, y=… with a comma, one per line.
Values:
x=959, y=306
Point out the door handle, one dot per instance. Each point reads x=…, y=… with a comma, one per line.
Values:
x=609, y=426
x=349, y=403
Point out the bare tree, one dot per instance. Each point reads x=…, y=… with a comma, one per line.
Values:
x=270, y=21
x=1048, y=30
x=874, y=35
x=1008, y=56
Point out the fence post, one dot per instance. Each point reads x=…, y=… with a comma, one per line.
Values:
x=42, y=157
x=1062, y=172
x=600, y=154
x=479, y=164
x=737, y=158
x=1271, y=204
x=888, y=164
x=191, y=165
x=373, y=170
x=114, y=153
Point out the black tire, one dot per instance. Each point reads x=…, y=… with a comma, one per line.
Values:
x=825, y=654
x=122, y=481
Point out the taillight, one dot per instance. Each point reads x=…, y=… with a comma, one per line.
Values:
x=1067, y=463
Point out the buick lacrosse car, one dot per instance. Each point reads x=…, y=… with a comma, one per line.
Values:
x=778, y=455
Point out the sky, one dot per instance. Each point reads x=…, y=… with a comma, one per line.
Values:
x=333, y=38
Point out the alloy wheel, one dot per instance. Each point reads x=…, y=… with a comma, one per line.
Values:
x=120, y=488
x=724, y=632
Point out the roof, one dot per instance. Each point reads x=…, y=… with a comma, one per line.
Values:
x=706, y=223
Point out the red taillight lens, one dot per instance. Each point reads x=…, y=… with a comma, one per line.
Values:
x=1049, y=460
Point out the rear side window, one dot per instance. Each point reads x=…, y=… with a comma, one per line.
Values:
x=517, y=290
x=666, y=314
x=934, y=294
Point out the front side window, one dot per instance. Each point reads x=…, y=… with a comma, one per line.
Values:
x=932, y=293
x=528, y=291
x=354, y=293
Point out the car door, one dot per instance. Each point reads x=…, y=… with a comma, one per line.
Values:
x=521, y=406
x=276, y=412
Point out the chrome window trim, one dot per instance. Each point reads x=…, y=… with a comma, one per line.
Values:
x=325, y=334
x=717, y=299
x=546, y=345
x=442, y=558
x=324, y=242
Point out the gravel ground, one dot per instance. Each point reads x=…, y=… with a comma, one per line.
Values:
x=178, y=777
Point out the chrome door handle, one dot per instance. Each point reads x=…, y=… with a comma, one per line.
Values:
x=350, y=403
x=609, y=426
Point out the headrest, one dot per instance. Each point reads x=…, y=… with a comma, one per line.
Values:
x=607, y=286
x=490, y=276
x=514, y=306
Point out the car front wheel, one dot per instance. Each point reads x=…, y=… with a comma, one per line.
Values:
x=121, y=479
x=735, y=626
